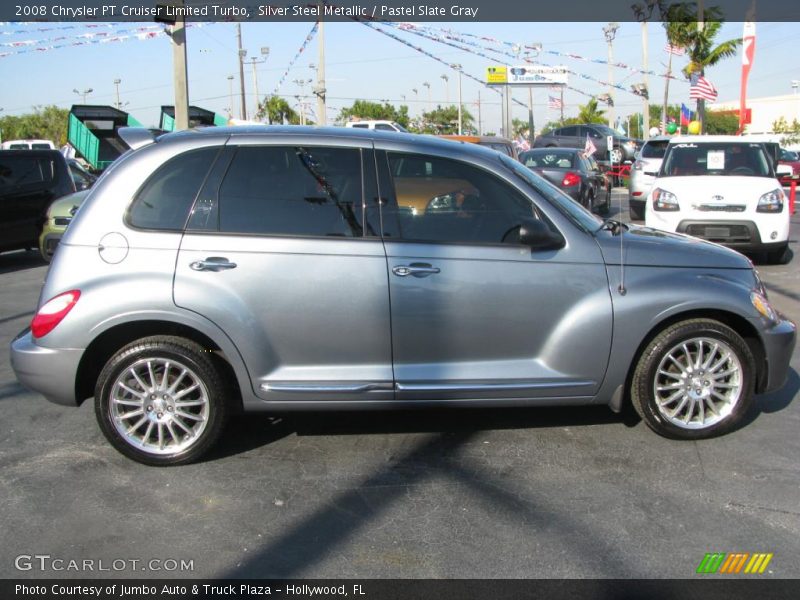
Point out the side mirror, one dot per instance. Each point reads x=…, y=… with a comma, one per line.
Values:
x=783, y=170
x=536, y=234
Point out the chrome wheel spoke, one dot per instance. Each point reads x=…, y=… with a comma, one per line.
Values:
x=180, y=424
x=136, y=426
x=188, y=390
x=670, y=374
x=178, y=379
x=186, y=415
x=130, y=415
x=151, y=373
x=138, y=380
x=126, y=402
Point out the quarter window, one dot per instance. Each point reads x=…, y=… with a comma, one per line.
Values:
x=286, y=190
x=442, y=200
x=166, y=198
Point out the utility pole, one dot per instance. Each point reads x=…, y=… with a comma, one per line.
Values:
x=319, y=89
x=446, y=89
x=666, y=94
x=242, y=55
x=610, y=32
x=646, y=96
x=701, y=103
x=116, y=85
x=458, y=67
x=530, y=115
x=480, y=123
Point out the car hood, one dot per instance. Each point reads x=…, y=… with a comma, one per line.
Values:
x=63, y=206
x=645, y=246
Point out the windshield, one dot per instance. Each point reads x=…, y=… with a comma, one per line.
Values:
x=655, y=149
x=788, y=155
x=399, y=127
x=548, y=158
x=716, y=158
x=566, y=205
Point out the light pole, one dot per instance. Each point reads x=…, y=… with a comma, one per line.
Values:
x=255, y=61
x=230, y=98
x=319, y=89
x=116, y=85
x=84, y=93
x=795, y=85
x=242, y=55
x=428, y=85
x=301, y=98
x=446, y=89
x=610, y=31
x=458, y=68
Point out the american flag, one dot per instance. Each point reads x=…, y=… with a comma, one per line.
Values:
x=702, y=88
x=676, y=50
x=553, y=102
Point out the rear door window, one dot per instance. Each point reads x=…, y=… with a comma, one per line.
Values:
x=288, y=190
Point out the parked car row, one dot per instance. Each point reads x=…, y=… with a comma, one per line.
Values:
x=294, y=268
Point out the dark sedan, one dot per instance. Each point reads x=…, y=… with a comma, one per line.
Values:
x=573, y=172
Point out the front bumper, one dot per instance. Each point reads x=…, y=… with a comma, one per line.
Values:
x=740, y=235
x=51, y=372
x=778, y=348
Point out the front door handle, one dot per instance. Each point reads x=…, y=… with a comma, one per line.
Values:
x=212, y=263
x=415, y=269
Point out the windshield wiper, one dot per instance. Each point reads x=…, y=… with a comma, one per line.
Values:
x=613, y=226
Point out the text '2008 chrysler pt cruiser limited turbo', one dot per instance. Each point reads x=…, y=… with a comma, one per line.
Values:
x=290, y=268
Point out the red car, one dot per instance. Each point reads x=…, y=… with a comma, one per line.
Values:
x=790, y=158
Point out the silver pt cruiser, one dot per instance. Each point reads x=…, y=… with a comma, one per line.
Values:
x=291, y=268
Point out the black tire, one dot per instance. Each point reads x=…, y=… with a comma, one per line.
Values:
x=635, y=213
x=779, y=256
x=643, y=392
x=201, y=365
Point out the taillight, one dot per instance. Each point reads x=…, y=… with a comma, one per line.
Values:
x=570, y=180
x=53, y=312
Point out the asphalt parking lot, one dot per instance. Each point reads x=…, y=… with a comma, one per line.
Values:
x=517, y=493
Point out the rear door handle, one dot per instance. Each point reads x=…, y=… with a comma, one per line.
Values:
x=212, y=263
x=415, y=269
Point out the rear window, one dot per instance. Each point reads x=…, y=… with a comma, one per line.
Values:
x=500, y=147
x=549, y=159
x=655, y=149
x=722, y=158
x=25, y=170
x=165, y=199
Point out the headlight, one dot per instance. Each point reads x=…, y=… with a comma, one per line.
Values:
x=771, y=202
x=664, y=200
x=762, y=305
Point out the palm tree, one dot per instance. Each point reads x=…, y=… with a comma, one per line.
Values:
x=277, y=110
x=589, y=113
x=698, y=39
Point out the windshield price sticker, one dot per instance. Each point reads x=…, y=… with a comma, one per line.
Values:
x=715, y=160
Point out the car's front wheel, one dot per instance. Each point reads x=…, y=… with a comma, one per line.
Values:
x=161, y=401
x=694, y=380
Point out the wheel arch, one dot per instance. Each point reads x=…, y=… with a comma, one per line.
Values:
x=115, y=337
x=736, y=322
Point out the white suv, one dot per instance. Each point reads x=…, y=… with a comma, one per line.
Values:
x=722, y=189
x=377, y=125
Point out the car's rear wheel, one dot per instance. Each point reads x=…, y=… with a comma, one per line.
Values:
x=615, y=156
x=161, y=400
x=694, y=380
x=635, y=212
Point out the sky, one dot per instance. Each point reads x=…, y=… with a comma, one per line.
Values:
x=361, y=63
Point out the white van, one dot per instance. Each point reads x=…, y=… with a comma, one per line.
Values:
x=377, y=125
x=28, y=145
x=721, y=188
